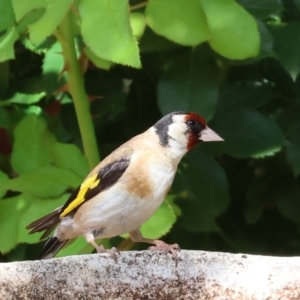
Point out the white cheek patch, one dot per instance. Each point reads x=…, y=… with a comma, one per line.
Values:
x=179, y=118
x=177, y=132
x=177, y=138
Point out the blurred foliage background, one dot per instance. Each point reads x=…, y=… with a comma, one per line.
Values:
x=78, y=76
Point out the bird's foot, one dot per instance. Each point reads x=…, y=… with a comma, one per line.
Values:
x=162, y=246
x=113, y=252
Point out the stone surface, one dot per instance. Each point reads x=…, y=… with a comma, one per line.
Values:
x=153, y=275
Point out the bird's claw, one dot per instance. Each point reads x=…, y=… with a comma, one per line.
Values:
x=113, y=252
x=162, y=246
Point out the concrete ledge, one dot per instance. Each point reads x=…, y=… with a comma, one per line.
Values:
x=153, y=275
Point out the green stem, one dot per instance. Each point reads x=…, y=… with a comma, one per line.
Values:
x=76, y=87
x=139, y=5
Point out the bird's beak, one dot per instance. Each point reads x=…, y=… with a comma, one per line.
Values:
x=208, y=135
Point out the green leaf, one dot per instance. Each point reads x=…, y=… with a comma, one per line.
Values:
x=287, y=46
x=35, y=209
x=69, y=157
x=33, y=144
x=138, y=24
x=4, y=77
x=33, y=109
x=293, y=151
x=52, y=66
x=7, y=44
x=287, y=201
x=55, y=11
x=40, y=48
x=152, y=42
x=53, y=61
x=9, y=119
x=190, y=83
x=3, y=179
x=208, y=194
x=276, y=74
x=97, y=61
x=289, y=121
x=17, y=212
x=162, y=220
x=5, y=120
x=297, y=3
x=262, y=9
x=182, y=22
x=266, y=43
x=30, y=18
x=113, y=40
x=78, y=246
x=248, y=133
x=51, y=79
x=27, y=99
x=44, y=182
x=10, y=211
x=8, y=18
x=234, y=32
x=248, y=94
x=22, y=7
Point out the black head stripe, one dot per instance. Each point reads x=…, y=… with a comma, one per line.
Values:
x=162, y=126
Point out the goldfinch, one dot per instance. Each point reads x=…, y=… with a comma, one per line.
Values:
x=126, y=188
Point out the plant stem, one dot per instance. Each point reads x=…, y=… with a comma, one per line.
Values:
x=126, y=244
x=139, y=5
x=76, y=87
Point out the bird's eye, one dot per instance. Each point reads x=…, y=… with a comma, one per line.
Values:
x=191, y=123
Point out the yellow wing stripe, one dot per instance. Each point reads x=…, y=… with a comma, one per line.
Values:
x=89, y=183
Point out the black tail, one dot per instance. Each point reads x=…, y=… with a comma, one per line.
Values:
x=51, y=247
x=46, y=223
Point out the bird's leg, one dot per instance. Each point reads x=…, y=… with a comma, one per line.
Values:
x=136, y=236
x=100, y=249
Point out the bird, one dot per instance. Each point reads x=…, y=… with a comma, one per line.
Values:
x=125, y=189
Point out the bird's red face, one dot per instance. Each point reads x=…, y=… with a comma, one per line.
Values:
x=198, y=131
x=196, y=124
